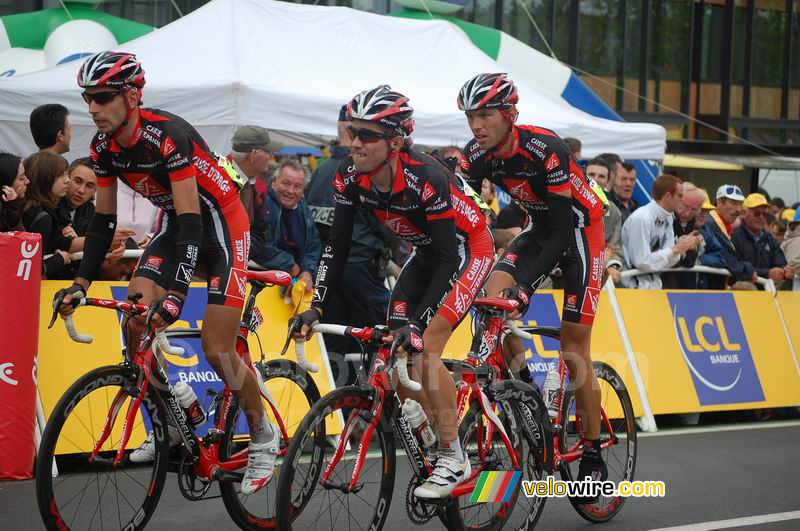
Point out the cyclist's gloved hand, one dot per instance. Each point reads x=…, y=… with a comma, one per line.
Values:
x=410, y=338
x=72, y=294
x=168, y=308
x=305, y=319
x=520, y=294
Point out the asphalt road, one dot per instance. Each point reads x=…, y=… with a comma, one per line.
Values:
x=712, y=474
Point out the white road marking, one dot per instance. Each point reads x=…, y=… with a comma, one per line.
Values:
x=736, y=522
x=725, y=427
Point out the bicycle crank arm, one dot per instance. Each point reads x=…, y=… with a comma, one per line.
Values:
x=228, y=475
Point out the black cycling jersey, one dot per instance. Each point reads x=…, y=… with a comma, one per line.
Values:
x=426, y=206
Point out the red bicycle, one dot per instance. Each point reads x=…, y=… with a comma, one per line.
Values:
x=98, y=487
x=351, y=481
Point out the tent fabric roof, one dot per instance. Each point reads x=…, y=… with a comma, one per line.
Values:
x=290, y=67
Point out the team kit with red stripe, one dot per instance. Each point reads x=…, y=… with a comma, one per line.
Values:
x=165, y=150
x=539, y=164
x=427, y=207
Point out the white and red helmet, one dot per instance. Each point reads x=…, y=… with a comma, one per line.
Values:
x=487, y=91
x=385, y=107
x=111, y=69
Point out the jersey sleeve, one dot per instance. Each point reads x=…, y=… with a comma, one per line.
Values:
x=177, y=150
x=101, y=164
x=469, y=166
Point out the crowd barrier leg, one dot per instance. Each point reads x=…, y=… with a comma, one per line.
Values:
x=647, y=421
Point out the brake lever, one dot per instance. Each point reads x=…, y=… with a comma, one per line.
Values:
x=56, y=306
x=292, y=329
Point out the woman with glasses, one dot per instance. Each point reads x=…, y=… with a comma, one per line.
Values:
x=418, y=198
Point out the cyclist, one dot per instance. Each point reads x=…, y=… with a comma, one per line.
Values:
x=418, y=198
x=163, y=158
x=565, y=228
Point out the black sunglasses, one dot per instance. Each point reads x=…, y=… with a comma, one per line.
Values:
x=368, y=136
x=100, y=98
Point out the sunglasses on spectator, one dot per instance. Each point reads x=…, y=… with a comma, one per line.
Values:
x=758, y=213
x=367, y=136
x=100, y=98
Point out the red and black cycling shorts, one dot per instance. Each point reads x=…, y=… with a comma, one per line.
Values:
x=223, y=253
x=582, y=267
x=476, y=257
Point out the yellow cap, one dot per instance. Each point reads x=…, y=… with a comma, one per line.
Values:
x=788, y=214
x=755, y=200
x=707, y=205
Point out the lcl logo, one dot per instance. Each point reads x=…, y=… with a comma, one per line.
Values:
x=28, y=251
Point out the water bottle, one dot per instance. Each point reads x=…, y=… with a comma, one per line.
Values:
x=418, y=421
x=188, y=401
x=551, y=392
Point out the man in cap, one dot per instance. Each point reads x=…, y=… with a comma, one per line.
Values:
x=720, y=223
x=252, y=151
x=754, y=244
x=791, y=243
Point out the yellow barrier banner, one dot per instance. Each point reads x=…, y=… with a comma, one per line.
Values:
x=542, y=353
x=710, y=351
x=61, y=361
x=789, y=301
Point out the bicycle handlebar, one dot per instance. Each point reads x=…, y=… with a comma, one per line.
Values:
x=300, y=352
x=514, y=329
x=360, y=334
x=75, y=335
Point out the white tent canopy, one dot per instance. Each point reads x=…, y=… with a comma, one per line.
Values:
x=290, y=67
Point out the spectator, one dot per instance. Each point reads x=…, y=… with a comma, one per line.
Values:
x=754, y=244
x=777, y=205
x=616, y=164
x=574, y=146
x=50, y=128
x=451, y=155
x=622, y=190
x=366, y=298
x=787, y=214
x=13, y=185
x=791, y=246
x=599, y=169
x=48, y=184
x=648, y=237
x=76, y=208
x=293, y=244
x=720, y=223
x=777, y=227
x=713, y=253
x=136, y=214
x=251, y=155
x=510, y=222
x=685, y=224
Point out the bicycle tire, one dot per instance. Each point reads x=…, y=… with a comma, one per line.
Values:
x=622, y=464
x=379, y=474
x=74, y=424
x=533, y=446
x=258, y=510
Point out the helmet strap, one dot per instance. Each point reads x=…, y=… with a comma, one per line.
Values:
x=128, y=115
x=510, y=117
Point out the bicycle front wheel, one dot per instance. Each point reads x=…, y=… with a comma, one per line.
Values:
x=523, y=415
x=304, y=503
x=94, y=493
x=293, y=393
x=617, y=427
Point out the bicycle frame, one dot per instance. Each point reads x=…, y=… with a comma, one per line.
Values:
x=204, y=452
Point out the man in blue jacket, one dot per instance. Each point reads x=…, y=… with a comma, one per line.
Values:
x=720, y=223
x=293, y=244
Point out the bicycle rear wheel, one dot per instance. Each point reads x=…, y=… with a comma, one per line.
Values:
x=97, y=494
x=620, y=457
x=306, y=504
x=294, y=393
x=524, y=417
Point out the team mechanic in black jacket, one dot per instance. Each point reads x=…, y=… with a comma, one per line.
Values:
x=418, y=198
